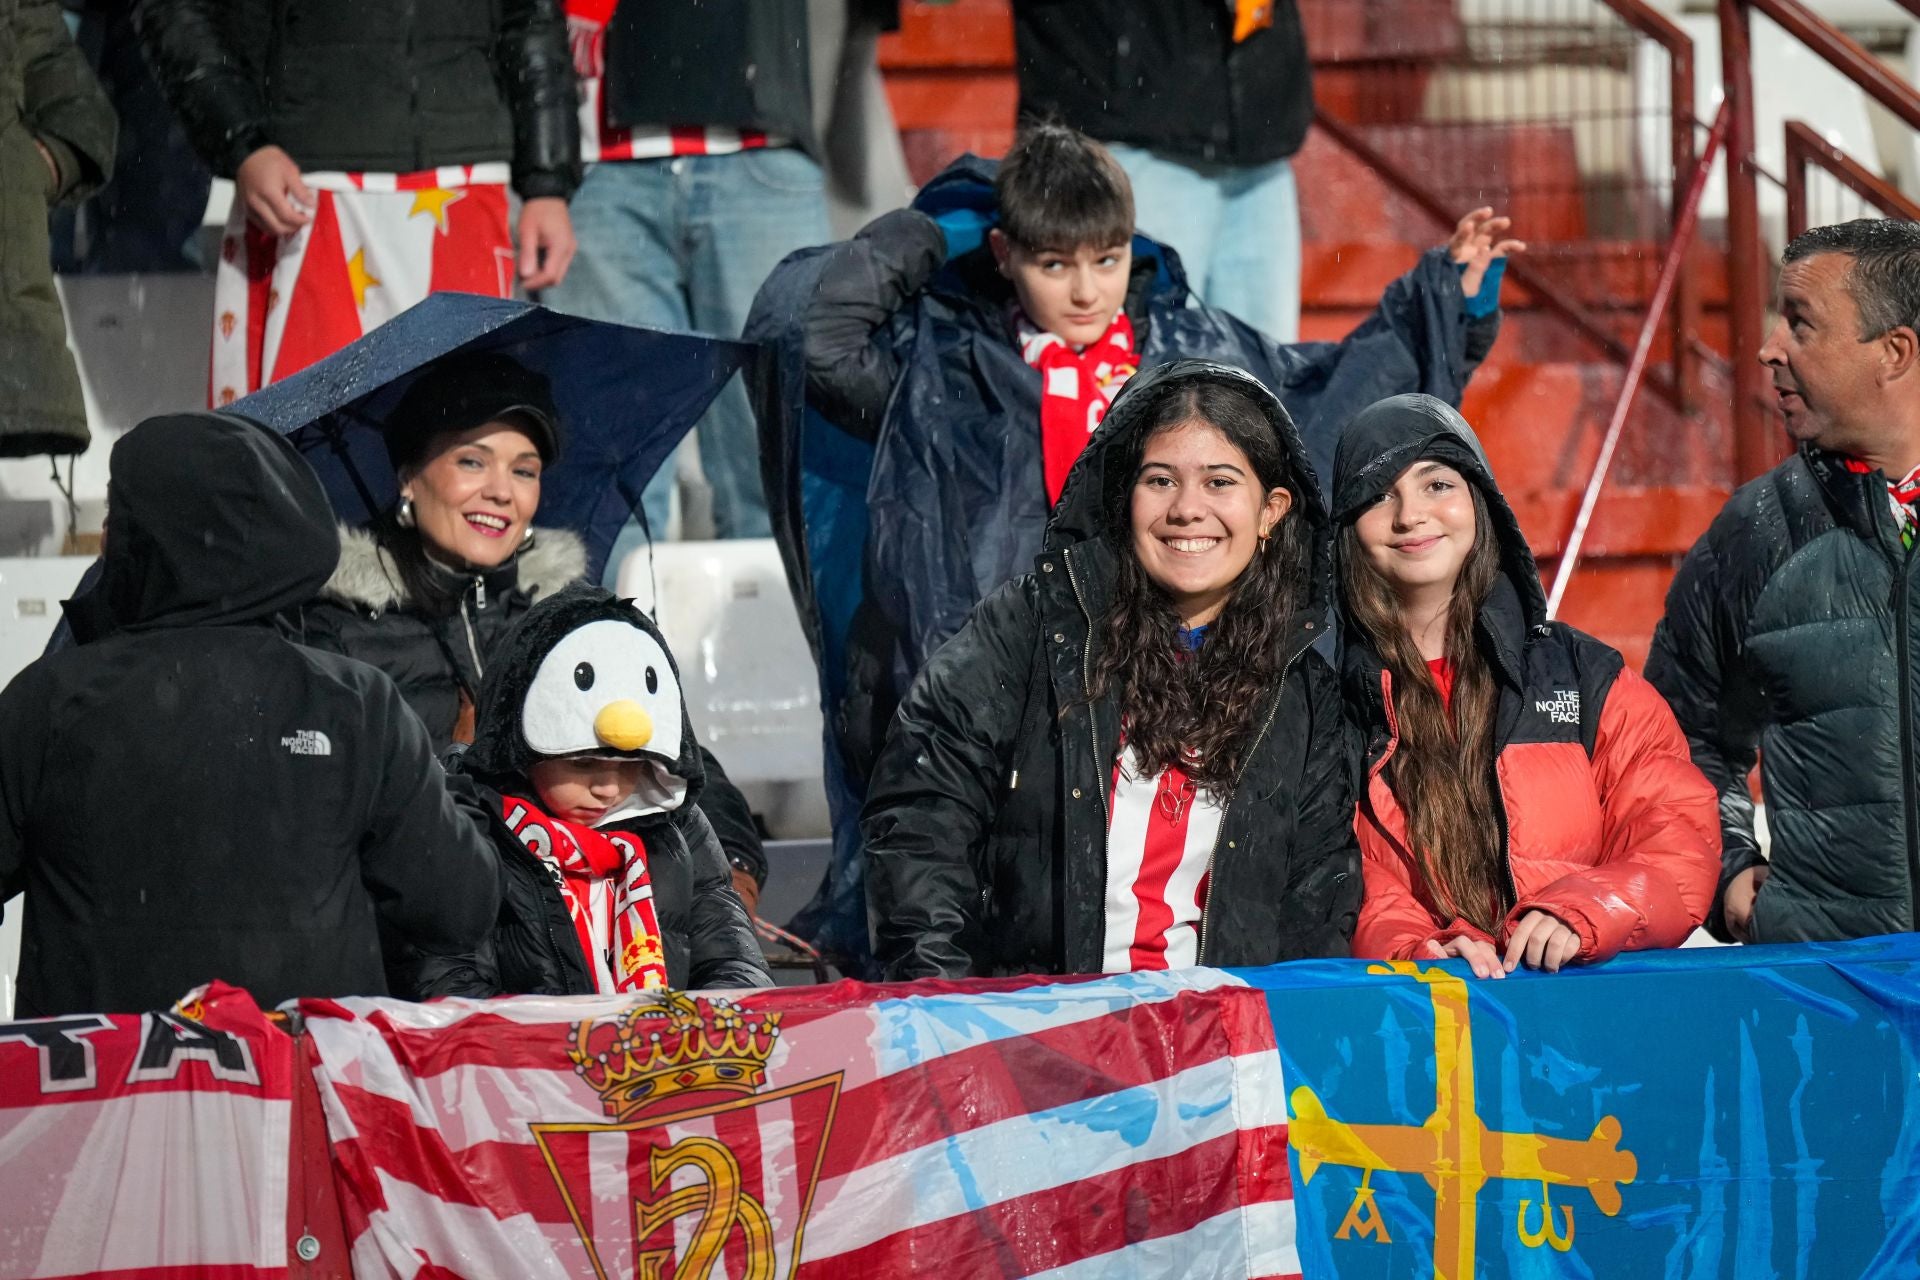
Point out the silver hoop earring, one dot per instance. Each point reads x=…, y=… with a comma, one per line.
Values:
x=526, y=540
x=403, y=514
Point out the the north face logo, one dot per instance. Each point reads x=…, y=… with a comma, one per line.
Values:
x=1562, y=708
x=308, y=742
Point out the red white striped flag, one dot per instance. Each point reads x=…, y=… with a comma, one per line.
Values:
x=1124, y=1126
x=378, y=243
x=146, y=1145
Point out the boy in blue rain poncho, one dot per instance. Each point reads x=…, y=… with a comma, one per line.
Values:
x=934, y=378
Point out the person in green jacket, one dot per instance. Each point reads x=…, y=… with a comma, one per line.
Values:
x=56, y=144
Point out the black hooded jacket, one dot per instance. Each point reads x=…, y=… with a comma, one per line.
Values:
x=707, y=936
x=986, y=824
x=187, y=796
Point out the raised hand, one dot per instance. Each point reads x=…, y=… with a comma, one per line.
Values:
x=1479, y=238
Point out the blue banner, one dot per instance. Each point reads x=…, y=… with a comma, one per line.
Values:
x=1747, y=1112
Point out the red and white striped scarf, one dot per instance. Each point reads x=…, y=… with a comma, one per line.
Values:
x=1075, y=389
x=603, y=880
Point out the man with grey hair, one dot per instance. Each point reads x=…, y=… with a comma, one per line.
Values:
x=1790, y=630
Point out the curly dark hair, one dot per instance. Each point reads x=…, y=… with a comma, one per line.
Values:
x=1200, y=710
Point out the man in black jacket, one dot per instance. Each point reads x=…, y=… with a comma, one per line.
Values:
x=1202, y=102
x=185, y=795
x=1789, y=629
x=370, y=143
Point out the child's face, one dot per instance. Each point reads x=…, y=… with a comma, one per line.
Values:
x=1072, y=294
x=583, y=790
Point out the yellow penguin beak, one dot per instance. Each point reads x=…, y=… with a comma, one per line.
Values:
x=623, y=725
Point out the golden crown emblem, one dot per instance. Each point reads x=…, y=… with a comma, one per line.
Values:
x=680, y=1044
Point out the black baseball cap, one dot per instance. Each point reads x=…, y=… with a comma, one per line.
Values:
x=469, y=389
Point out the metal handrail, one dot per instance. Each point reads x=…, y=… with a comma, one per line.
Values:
x=1662, y=30
x=1671, y=270
x=1807, y=149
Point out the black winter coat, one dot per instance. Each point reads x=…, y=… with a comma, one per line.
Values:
x=1166, y=74
x=1790, y=630
x=366, y=611
x=708, y=940
x=381, y=85
x=187, y=796
x=986, y=819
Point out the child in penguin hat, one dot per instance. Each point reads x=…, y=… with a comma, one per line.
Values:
x=613, y=879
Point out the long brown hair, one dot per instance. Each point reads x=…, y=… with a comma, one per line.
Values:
x=1199, y=710
x=1442, y=770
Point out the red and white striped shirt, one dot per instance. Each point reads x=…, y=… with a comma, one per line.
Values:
x=601, y=139
x=1160, y=839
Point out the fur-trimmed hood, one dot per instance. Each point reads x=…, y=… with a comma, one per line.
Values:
x=367, y=579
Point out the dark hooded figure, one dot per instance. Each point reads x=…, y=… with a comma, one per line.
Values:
x=185, y=795
x=614, y=880
x=1132, y=757
x=1528, y=797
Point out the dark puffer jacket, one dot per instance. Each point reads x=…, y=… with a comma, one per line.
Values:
x=365, y=612
x=48, y=96
x=986, y=824
x=1789, y=630
x=708, y=939
x=386, y=85
x=1604, y=822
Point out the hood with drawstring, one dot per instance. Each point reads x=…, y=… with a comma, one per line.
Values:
x=1605, y=824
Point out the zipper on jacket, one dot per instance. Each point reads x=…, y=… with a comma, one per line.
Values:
x=1093, y=735
x=466, y=620
x=411, y=15
x=1910, y=806
x=1246, y=761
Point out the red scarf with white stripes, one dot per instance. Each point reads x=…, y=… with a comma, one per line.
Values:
x=603, y=880
x=1075, y=389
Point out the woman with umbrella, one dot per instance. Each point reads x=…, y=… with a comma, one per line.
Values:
x=430, y=589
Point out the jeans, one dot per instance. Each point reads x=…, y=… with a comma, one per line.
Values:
x=1235, y=227
x=685, y=244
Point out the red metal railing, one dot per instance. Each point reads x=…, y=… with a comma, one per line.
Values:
x=1574, y=116
x=1672, y=270
x=1808, y=152
x=1757, y=442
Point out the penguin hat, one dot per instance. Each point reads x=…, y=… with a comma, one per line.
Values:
x=585, y=673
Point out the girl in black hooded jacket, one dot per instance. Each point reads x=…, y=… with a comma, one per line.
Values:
x=1131, y=758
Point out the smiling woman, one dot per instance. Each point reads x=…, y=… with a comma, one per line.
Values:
x=1528, y=798
x=428, y=592
x=1132, y=758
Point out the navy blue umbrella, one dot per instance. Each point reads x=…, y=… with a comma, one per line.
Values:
x=626, y=396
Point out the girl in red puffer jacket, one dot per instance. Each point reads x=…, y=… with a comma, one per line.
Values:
x=1527, y=799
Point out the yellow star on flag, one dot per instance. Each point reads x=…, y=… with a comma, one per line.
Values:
x=434, y=201
x=360, y=278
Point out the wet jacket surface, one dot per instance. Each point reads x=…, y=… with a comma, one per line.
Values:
x=986, y=822
x=1789, y=632
x=1604, y=821
x=47, y=95
x=185, y=795
x=392, y=86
